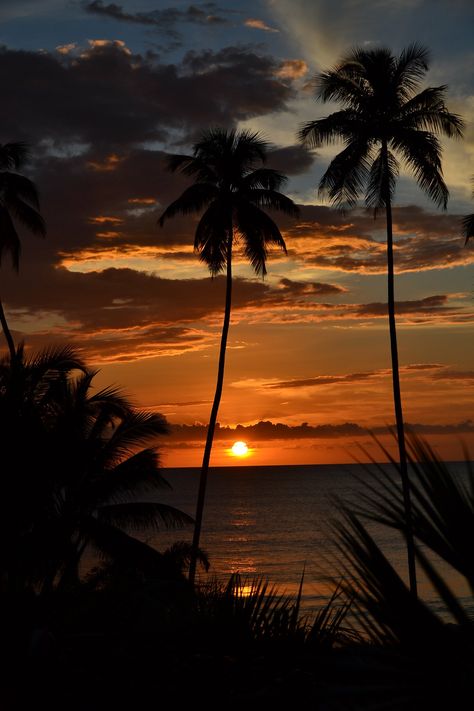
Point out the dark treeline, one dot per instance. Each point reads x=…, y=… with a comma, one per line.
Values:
x=267, y=430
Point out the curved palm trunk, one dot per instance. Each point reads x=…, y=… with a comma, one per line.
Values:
x=397, y=397
x=7, y=332
x=213, y=417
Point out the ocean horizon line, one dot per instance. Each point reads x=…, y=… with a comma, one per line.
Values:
x=306, y=466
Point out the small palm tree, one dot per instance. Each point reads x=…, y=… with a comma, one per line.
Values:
x=74, y=465
x=233, y=188
x=18, y=201
x=384, y=123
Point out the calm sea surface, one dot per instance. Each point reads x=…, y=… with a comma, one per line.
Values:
x=275, y=521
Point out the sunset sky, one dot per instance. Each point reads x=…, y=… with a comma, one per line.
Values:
x=103, y=91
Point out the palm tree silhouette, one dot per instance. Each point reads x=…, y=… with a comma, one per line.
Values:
x=384, y=123
x=100, y=467
x=233, y=187
x=18, y=201
x=74, y=466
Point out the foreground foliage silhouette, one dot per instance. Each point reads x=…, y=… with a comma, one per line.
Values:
x=233, y=188
x=74, y=465
x=415, y=659
x=243, y=640
x=384, y=124
x=18, y=202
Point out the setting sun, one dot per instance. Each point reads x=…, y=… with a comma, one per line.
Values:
x=240, y=449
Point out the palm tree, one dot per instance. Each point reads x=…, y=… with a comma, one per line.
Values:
x=384, y=123
x=232, y=186
x=18, y=201
x=468, y=226
x=100, y=468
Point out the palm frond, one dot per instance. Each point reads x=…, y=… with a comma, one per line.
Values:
x=138, y=474
x=271, y=200
x=26, y=214
x=263, y=178
x=55, y=359
x=468, y=227
x=9, y=240
x=117, y=545
x=143, y=516
x=347, y=175
x=258, y=231
x=410, y=68
x=135, y=428
x=396, y=616
x=443, y=507
x=382, y=179
x=13, y=155
x=347, y=125
x=179, y=555
x=427, y=111
x=421, y=152
x=343, y=84
x=244, y=148
x=193, y=199
x=193, y=167
x=212, y=235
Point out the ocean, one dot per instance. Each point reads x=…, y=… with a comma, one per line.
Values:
x=275, y=522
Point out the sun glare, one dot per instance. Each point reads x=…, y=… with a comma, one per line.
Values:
x=240, y=449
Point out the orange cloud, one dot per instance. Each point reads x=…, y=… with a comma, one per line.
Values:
x=110, y=234
x=292, y=69
x=109, y=163
x=103, y=219
x=259, y=25
x=142, y=201
x=106, y=43
x=66, y=48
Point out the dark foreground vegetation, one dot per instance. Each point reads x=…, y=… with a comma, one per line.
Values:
x=133, y=633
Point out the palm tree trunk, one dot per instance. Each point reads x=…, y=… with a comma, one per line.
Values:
x=397, y=399
x=7, y=332
x=213, y=417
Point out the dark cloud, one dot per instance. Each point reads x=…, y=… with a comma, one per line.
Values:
x=463, y=375
x=267, y=430
x=420, y=371
x=110, y=99
x=356, y=242
x=122, y=314
x=324, y=380
x=164, y=20
x=305, y=288
x=424, y=366
x=297, y=309
x=291, y=160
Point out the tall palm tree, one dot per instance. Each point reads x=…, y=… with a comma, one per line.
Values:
x=232, y=187
x=18, y=202
x=385, y=121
